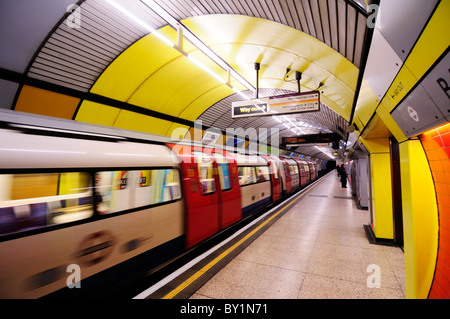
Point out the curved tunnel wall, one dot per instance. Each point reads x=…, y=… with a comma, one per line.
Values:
x=436, y=144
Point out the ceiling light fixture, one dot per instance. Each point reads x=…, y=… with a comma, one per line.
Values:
x=196, y=42
x=140, y=22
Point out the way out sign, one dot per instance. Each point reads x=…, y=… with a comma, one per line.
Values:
x=277, y=105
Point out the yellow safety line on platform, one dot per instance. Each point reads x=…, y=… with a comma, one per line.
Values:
x=191, y=279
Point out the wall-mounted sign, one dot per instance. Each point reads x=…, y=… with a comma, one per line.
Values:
x=426, y=106
x=311, y=139
x=277, y=105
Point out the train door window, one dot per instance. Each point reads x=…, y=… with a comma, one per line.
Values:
x=29, y=201
x=306, y=166
x=205, y=172
x=224, y=171
x=247, y=175
x=262, y=173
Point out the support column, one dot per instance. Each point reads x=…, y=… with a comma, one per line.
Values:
x=381, y=188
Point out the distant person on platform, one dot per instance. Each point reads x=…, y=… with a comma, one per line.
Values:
x=343, y=174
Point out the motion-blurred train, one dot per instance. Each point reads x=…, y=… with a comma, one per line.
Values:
x=98, y=202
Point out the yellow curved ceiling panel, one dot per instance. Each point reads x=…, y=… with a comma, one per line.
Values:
x=242, y=41
x=143, y=123
x=177, y=131
x=197, y=106
x=96, y=113
x=156, y=76
x=133, y=66
x=176, y=85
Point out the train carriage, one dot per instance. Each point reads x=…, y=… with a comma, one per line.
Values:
x=74, y=201
x=294, y=173
x=116, y=201
x=211, y=188
x=255, y=182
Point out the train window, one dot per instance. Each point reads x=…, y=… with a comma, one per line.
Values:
x=306, y=166
x=224, y=171
x=205, y=172
x=121, y=190
x=247, y=175
x=29, y=201
x=285, y=167
x=293, y=169
x=262, y=173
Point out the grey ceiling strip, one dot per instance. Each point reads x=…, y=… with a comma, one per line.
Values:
x=46, y=59
x=50, y=78
x=61, y=69
x=342, y=22
x=294, y=13
x=76, y=61
x=359, y=41
x=333, y=24
x=287, y=14
x=317, y=20
x=309, y=18
x=351, y=21
x=325, y=17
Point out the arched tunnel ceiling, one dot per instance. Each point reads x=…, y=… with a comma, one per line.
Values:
x=115, y=56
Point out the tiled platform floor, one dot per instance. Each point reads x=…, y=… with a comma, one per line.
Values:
x=318, y=249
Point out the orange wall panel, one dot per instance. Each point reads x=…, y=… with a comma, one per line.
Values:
x=437, y=148
x=43, y=102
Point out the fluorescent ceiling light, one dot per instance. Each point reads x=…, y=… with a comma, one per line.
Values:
x=196, y=42
x=140, y=22
x=205, y=68
x=240, y=93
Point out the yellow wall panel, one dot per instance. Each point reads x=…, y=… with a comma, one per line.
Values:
x=367, y=103
x=377, y=145
x=96, y=113
x=177, y=131
x=432, y=43
x=39, y=101
x=390, y=122
x=142, y=123
x=402, y=84
x=420, y=219
x=380, y=170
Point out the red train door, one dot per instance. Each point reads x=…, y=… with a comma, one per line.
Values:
x=312, y=171
x=287, y=175
x=274, y=179
x=200, y=193
x=302, y=172
x=228, y=189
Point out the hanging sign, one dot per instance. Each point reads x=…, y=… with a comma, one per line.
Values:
x=277, y=105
